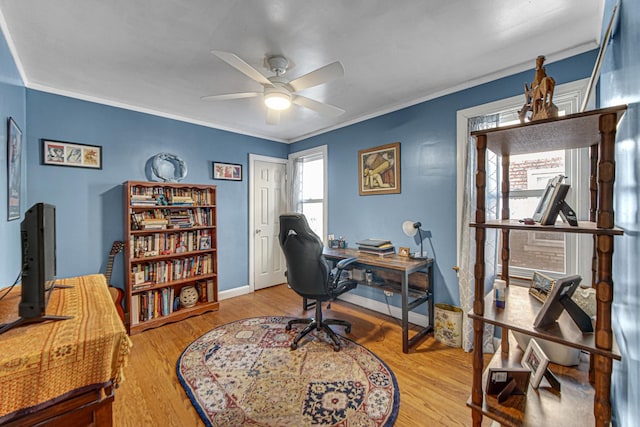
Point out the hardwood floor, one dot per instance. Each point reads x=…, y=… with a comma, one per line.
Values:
x=434, y=380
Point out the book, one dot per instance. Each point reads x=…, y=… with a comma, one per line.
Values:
x=385, y=247
x=373, y=242
x=210, y=290
x=135, y=310
x=379, y=253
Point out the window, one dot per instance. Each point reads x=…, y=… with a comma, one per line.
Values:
x=528, y=176
x=308, y=194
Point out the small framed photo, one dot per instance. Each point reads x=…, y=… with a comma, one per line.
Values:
x=228, y=171
x=535, y=360
x=504, y=382
x=205, y=243
x=541, y=286
x=402, y=251
x=59, y=153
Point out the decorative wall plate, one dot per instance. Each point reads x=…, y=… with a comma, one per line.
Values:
x=168, y=167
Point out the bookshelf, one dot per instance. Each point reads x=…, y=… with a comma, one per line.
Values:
x=584, y=399
x=171, y=244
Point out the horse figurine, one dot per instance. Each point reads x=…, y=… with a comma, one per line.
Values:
x=539, y=96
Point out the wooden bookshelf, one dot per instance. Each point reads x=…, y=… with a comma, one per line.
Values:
x=584, y=399
x=171, y=243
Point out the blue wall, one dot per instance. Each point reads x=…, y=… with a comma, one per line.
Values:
x=12, y=104
x=620, y=84
x=427, y=133
x=89, y=202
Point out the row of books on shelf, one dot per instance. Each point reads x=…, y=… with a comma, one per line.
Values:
x=376, y=247
x=197, y=196
x=158, y=272
x=165, y=218
x=163, y=302
x=168, y=244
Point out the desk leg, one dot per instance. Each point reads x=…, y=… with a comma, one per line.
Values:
x=405, y=312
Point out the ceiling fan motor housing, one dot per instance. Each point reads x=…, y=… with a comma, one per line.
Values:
x=278, y=64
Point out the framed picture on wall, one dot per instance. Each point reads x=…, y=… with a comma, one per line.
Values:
x=228, y=171
x=59, y=153
x=379, y=170
x=14, y=173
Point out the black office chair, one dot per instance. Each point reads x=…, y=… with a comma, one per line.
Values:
x=310, y=275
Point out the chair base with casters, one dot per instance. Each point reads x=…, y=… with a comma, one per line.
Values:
x=318, y=323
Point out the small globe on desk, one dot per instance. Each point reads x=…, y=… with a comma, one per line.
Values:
x=188, y=296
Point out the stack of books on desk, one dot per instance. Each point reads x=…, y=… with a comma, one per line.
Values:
x=376, y=247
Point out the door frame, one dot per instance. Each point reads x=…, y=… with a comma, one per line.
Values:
x=252, y=226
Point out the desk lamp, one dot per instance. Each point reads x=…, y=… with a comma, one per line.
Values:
x=410, y=228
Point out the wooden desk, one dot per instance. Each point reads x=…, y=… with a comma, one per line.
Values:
x=400, y=267
x=63, y=372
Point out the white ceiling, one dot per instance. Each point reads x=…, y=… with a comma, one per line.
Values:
x=154, y=55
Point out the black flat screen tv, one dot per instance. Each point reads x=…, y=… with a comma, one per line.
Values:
x=38, y=242
x=38, y=238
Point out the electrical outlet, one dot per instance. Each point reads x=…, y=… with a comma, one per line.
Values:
x=388, y=293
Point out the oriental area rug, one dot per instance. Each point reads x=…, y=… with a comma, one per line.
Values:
x=244, y=374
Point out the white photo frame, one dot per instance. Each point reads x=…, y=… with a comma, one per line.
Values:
x=535, y=360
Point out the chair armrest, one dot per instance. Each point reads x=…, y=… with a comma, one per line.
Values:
x=345, y=262
x=336, y=275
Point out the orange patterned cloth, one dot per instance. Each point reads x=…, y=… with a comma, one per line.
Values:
x=42, y=361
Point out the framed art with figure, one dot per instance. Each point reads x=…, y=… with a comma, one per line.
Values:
x=379, y=170
x=14, y=172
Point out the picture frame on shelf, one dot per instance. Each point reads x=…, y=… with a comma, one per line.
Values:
x=547, y=196
x=379, y=170
x=227, y=171
x=541, y=286
x=60, y=153
x=504, y=382
x=536, y=361
x=205, y=243
x=14, y=169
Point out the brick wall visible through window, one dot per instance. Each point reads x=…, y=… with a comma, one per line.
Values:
x=534, y=250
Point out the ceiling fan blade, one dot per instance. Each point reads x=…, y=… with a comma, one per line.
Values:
x=319, y=76
x=317, y=106
x=273, y=117
x=227, y=96
x=242, y=66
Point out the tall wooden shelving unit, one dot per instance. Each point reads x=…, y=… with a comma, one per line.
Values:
x=171, y=242
x=585, y=389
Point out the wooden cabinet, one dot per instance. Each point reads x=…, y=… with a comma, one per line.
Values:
x=585, y=388
x=171, y=244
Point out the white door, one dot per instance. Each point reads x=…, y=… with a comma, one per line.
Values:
x=268, y=203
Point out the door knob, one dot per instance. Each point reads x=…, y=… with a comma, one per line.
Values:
x=258, y=231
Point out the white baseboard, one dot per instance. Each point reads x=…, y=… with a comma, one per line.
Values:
x=380, y=307
x=235, y=292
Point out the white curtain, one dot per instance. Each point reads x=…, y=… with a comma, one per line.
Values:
x=467, y=236
x=294, y=199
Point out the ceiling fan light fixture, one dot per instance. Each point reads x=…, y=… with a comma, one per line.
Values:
x=277, y=98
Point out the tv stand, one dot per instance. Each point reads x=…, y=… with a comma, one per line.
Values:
x=36, y=319
x=27, y=320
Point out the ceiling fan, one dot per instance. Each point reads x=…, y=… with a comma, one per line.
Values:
x=278, y=92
